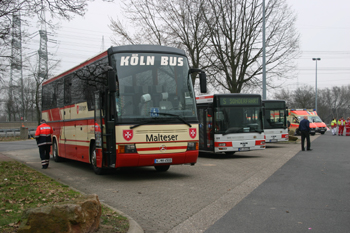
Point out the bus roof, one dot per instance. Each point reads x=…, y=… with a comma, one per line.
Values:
x=209, y=98
x=145, y=49
x=273, y=101
x=121, y=49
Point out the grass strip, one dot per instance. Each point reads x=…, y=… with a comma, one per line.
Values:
x=22, y=187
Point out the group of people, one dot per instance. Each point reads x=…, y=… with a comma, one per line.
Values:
x=340, y=125
x=304, y=129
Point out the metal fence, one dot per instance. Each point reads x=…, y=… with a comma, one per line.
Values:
x=16, y=132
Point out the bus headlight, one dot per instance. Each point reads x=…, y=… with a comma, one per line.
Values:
x=130, y=148
x=192, y=146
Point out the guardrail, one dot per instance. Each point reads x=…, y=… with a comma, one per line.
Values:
x=16, y=132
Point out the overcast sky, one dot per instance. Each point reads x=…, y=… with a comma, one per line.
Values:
x=324, y=28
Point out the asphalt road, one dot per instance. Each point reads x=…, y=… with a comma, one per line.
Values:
x=310, y=193
x=186, y=198
x=18, y=145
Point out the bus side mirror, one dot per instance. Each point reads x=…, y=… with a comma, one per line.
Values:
x=203, y=82
x=202, y=79
x=112, y=81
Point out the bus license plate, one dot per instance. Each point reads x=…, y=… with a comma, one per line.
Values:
x=243, y=148
x=273, y=140
x=168, y=160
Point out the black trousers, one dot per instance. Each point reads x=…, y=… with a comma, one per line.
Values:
x=44, y=154
x=305, y=135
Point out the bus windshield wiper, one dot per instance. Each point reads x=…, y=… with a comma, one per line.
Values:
x=157, y=119
x=177, y=116
x=143, y=123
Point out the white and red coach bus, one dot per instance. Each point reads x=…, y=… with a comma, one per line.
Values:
x=275, y=120
x=129, y=106
x=230, y=123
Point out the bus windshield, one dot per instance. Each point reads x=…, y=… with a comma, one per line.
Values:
x=153, y=87
x=237, y=120
x=274, y=118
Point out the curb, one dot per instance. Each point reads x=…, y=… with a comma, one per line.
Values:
x=134, y=227
x=5, y=158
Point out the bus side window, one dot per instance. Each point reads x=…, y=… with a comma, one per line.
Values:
x=67, y=90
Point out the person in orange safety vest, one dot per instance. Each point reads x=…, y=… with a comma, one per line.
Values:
x=347, y=126
x=341, y=124
x=43, y=139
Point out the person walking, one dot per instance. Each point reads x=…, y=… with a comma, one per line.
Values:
x=347, y=126
x=334, y=126
x=341, y=124
x=43, y=139
x=304, y=128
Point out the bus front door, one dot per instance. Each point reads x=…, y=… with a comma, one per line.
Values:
x=97, y=158
x=206, y=134
x=104, y=131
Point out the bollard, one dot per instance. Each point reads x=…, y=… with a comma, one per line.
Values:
x=24, y=133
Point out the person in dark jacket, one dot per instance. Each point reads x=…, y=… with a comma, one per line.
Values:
x=43, y=139
x=304, y=128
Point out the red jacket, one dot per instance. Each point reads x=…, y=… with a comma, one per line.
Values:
x=347, y=124
x=43, y=134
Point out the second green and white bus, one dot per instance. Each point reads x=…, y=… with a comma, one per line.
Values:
x=275, y=121
x=230, y=123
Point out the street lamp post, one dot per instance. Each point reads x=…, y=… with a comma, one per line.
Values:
x=316, y=59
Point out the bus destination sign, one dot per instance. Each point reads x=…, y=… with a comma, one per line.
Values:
x=275, y=105
x=229, y=101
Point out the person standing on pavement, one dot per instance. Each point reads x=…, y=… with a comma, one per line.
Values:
x=304, y=128
x=43, y=139
x=341, y=124
x=334, y=126
x=347, y=126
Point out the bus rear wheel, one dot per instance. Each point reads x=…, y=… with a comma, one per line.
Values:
x=55, y=156
x=97, y=170
x=162, y=168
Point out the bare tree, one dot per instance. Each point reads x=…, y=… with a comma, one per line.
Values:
x=178, y=23
x=334, y=102
x=331, y=102
x=286, y=95
x=236, y=42
x=302, y=97
x=225, y=36
x=66, y=9
x=28, y=9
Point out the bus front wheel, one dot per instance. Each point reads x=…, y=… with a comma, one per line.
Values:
x=162, y=168
x=97, y=170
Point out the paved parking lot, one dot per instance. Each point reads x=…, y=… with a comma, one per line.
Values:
x=184, y=199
